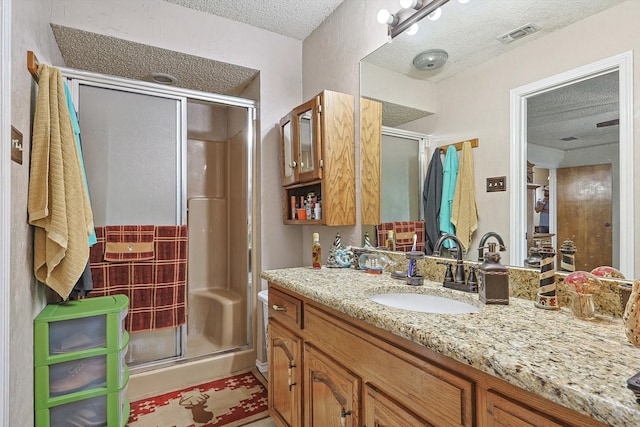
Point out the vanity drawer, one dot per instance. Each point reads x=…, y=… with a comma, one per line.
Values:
x=285, y=308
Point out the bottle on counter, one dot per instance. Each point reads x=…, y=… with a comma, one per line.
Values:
x=316, y=251
x=391, y=243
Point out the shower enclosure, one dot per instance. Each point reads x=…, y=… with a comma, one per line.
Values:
x=158, y=155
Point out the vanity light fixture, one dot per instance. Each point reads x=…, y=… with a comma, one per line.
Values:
x=404, y=19
x=413, y=29
x=435, y=15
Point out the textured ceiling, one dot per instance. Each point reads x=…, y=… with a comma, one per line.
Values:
x=87, y=51
x=293, y=18
x=468, y=33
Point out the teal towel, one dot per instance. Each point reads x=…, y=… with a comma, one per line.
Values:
x=76, y=131
x=449, y=179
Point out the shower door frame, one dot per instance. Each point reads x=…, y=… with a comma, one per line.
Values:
x=78, y=77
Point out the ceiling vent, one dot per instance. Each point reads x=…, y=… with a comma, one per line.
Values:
x=568, y=138
x=518, y=33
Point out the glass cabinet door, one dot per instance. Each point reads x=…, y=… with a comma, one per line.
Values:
x=307, y=132
x=289, y=164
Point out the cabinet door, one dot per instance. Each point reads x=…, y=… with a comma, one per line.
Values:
x=307, y=140
x=379, y=411
x=288, y=155
x=332, y=393
x=504, y=412
x=285, y=357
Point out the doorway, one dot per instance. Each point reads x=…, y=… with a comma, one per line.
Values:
x=622, y=64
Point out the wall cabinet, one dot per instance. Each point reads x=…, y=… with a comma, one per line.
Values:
x=317, y=156
x=370, y=160
x=355, y=375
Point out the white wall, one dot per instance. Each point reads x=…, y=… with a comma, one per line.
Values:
x=475, y=103
x=165, y=25
x=331, y=60
x=30, y=31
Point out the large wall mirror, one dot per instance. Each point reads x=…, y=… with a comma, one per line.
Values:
x=560, y=113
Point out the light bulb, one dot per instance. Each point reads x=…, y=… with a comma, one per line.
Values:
x=406, y=4
x=383, y=16
x=435, y=14
x=413, y=29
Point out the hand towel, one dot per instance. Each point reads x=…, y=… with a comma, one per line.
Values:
x=432, y=199
x=57, y=203
x=449, y=179
x=464, y=215
x=76, y=134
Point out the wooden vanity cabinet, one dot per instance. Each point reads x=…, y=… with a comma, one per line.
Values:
x=318, y=155
x=354, y=374
x=285, y=359
x=331, y=392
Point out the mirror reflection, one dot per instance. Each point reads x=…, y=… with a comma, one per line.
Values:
x=568, y=130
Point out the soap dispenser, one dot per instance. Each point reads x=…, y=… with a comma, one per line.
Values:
x=494, y=280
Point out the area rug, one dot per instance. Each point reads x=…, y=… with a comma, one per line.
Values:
x=230, y=402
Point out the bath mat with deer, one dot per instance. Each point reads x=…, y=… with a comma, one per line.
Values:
x=232, y=401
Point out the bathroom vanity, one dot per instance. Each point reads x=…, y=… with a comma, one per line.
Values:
x=338, y=358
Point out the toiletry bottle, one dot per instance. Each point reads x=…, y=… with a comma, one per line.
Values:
x=317, y=214
x=316, y=251
x=391, y=243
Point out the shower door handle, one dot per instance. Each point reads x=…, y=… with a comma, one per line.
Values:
x=276, y=307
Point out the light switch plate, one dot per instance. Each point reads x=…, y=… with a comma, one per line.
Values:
x=497, y=183
x=16, y=145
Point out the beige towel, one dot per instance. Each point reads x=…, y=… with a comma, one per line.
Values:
x=464, y=213
x=58, y=206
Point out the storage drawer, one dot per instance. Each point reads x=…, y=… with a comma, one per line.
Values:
x=285, y=308
x=105, y=373
x=108, y=409
x=80, y=328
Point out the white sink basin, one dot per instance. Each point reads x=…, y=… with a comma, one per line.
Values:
x=424, y=303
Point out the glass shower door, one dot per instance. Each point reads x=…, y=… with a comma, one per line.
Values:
x=132, y=151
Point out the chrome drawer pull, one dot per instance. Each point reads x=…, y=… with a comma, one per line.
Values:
x=276, y=307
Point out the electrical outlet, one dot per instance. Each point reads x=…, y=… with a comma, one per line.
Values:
x=497, y=183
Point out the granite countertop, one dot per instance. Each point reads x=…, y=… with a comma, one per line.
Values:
x=580, y=364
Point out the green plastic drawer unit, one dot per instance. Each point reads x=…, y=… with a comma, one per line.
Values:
x=79, y=328
x=73, y=379
x=126, y=410
x=107, y=409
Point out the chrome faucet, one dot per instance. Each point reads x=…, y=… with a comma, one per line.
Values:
x=491, y=246
x=459, y=282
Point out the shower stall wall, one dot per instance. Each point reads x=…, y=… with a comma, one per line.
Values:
x=217, y=216
x=168, y=156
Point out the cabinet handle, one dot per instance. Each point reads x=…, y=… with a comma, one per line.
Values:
x=276, y=307
x=343, y=416
x=290, y=375
x=293, y=164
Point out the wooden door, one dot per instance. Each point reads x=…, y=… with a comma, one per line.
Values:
x=285, y=357
x=332, y=393
x=584, y=213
